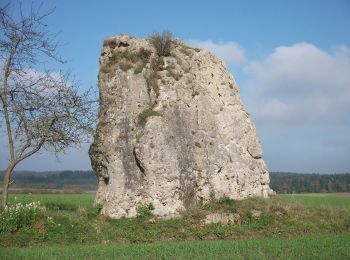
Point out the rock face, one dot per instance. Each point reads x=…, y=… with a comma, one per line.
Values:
x=172, y=131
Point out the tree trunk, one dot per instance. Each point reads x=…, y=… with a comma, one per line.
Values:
x=5, y=184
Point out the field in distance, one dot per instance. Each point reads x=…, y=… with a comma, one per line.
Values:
x=285, y=226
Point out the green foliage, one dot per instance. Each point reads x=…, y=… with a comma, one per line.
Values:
x=147, y=113
x=69, y=202
x=144, y=210
x=139, y=68
x=60, y=206
x=257, y=223
x=228, y=204
x=19, y=215
x=221, y=231
x=98, y=208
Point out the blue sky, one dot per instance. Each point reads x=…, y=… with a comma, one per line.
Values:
x=291, y=60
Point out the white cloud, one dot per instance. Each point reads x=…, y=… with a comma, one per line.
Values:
x=230, y=52
x=300, y=84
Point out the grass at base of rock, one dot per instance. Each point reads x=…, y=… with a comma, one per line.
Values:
x=308, y=247
x=71, y=219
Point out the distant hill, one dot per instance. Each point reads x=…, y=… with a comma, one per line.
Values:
x=281, y=182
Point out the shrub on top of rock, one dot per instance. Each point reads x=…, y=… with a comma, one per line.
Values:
x=162, y=42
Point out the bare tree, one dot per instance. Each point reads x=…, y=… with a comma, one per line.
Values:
x=40, y=109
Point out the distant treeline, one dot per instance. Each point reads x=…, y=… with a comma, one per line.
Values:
x=84, y=180
x=287, y=182
x=281, y=182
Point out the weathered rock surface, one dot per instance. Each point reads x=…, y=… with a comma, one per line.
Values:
x=171, y=131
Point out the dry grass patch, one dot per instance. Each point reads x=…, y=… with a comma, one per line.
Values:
x=125, y=65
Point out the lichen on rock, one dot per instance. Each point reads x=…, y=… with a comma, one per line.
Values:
x=172, y=131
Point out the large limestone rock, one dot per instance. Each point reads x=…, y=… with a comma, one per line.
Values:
x=172, y=130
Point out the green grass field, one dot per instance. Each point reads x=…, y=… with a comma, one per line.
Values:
x=333, y=200
x=309, y=247
x=311, y=226
x=60, y=201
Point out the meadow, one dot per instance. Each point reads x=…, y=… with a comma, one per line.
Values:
x=290, y=226
x=332, y=200
x=309, y=247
